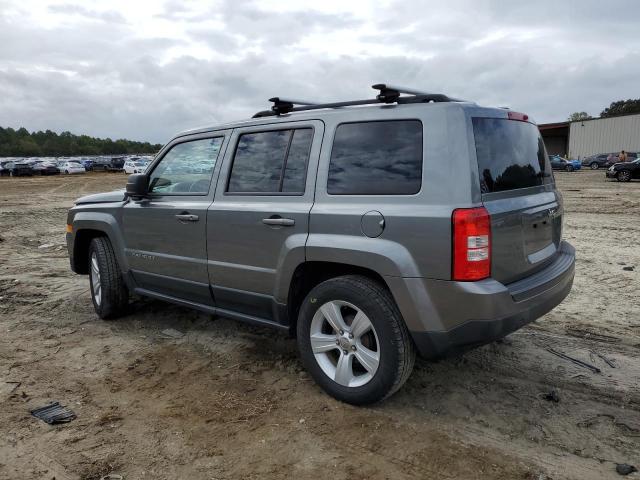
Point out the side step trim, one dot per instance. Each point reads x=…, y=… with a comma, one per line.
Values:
x=211, y=310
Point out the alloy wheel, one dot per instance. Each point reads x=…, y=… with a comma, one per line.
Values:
x=624, y=176
x=96, y=287
x=345, y=343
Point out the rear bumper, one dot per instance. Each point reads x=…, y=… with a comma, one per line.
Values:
x=454, y=316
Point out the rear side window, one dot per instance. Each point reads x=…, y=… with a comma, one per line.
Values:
x=271, y=162
x=511, y=155
x=376, y=158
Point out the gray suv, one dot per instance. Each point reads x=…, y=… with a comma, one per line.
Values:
x=371, y=230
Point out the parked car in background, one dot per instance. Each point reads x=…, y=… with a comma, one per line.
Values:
x=44, y=167
x=594, y=162
x=134, y=166
x=624, y=171
x=605, y=160
x=87, y=163
x=15, y=168
x=113, y=164
x=71, y=167
x=559, y=163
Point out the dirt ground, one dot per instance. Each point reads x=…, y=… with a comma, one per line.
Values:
x=228, y=400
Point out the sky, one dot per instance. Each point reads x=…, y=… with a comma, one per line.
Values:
x=147, y=70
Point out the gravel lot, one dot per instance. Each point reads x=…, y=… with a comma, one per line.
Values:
x=229, y=401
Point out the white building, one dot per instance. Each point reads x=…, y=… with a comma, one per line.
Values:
x=589, y=137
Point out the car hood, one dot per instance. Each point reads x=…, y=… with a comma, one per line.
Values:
x=115, y=196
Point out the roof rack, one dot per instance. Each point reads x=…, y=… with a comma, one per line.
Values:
x=387, y=94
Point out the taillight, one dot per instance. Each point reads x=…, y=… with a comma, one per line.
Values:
x=521, y=117
x=471, y=244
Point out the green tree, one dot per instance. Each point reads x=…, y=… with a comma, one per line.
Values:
x=577, y=116
x=621, y=107
x=21, y=143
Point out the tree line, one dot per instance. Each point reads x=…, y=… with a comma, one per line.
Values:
x=22, y=143
x=621, y=107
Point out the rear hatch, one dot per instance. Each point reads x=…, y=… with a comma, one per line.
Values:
x=519, y=193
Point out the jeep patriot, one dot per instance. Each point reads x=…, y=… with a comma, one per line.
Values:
x=370, y=230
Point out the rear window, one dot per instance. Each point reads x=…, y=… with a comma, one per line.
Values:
x=376, y=158
x=510, y=153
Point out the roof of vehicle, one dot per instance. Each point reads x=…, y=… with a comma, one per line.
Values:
x=285, y=110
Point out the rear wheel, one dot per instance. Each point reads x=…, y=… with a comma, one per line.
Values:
x=353, y=340
x=594, y=166
x=569, y=168
x=624, y=176
x=109, y=293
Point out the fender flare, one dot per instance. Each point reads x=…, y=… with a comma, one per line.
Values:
x=106, y=223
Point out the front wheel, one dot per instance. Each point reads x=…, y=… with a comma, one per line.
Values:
x=623, y=176
x=109, y=293
x=353, y=340
x=594, y=166
x=569, y=168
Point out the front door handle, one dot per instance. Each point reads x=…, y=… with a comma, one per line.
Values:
x=283, y=222
x=187, y=217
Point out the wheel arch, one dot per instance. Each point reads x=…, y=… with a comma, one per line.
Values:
x=86, y=227
x=308, y=274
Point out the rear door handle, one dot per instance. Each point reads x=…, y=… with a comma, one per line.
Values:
x=283, y=222
x=187, y=217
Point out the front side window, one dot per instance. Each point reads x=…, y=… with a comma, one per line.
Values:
x=186, y=168
x=376, y=158
x=271, y=162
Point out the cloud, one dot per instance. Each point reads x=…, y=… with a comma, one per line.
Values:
x=105, y=16
x=142, y=72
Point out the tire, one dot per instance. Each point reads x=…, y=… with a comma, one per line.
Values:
x=109, y=293
x=67, y=172
x=383, y=336
x=624, y=176
x=594, y=166
x=569, y=168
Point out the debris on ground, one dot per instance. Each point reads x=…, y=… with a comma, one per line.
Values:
x=628, y=269
x=7, y=388
x=46, y=245
x=172, y=333
x=604, y=359
x=552, y=396
x=54, y=413
x=580, y=363
x=625, y=469
x=111, y=476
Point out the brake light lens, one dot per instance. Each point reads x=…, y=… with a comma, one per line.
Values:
x=521, y=117
x=471, y=244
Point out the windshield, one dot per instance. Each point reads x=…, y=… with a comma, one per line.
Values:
x=511, y=155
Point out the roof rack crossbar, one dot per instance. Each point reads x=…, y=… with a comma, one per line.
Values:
x=388, y=94
x=285, y=105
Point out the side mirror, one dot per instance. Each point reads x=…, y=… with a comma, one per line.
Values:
x=137, y=186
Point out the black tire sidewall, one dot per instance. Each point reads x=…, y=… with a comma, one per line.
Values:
x=385, y=377
x=113, y=292
x=595, y=166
